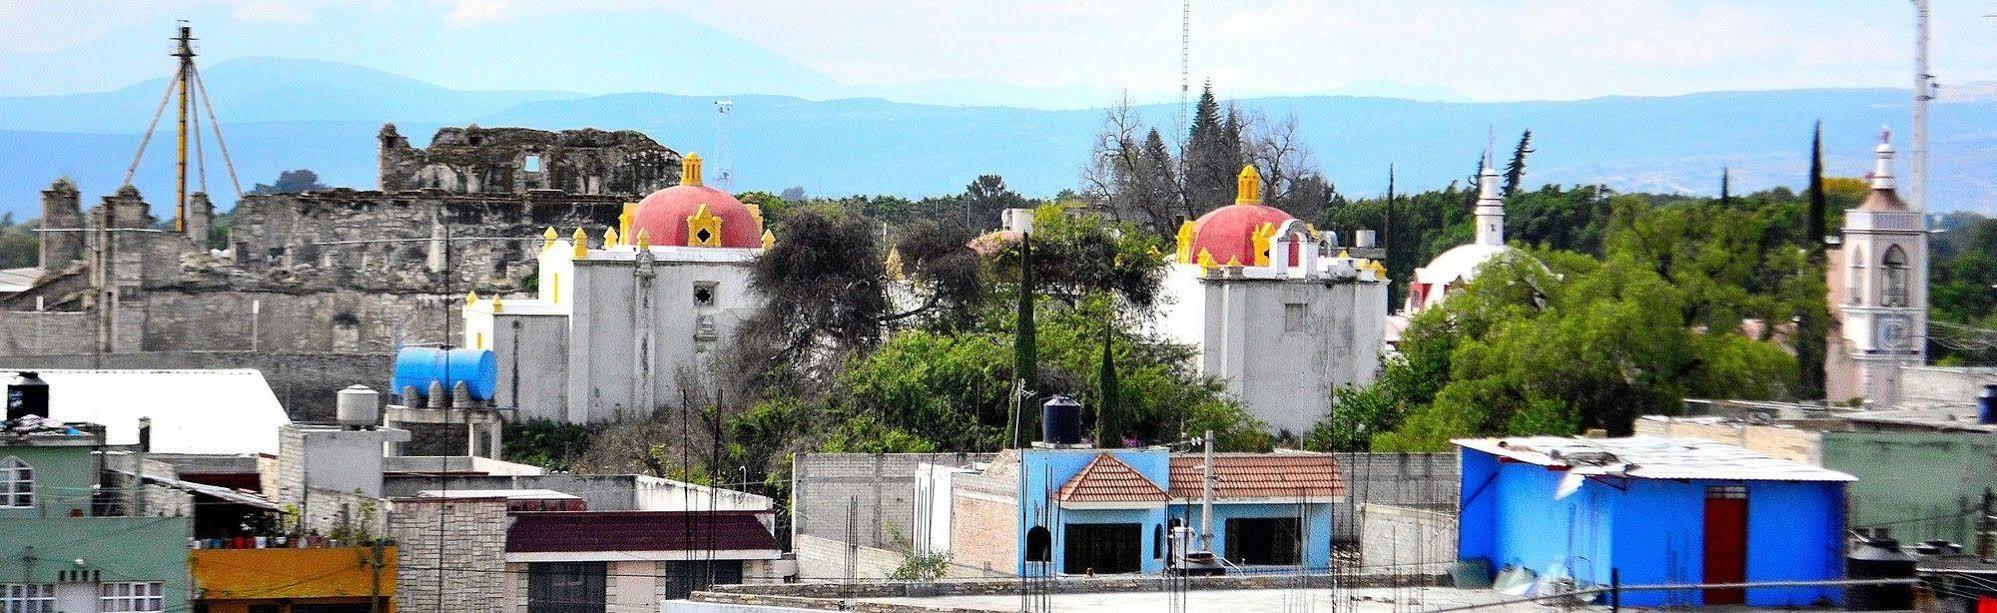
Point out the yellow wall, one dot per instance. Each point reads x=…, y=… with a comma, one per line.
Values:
x=262, y=574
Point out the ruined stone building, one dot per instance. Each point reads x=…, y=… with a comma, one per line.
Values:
x=341, y=271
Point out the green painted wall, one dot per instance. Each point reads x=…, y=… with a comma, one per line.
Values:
x=1923, y=485
x=63, y=476
x=38, y=544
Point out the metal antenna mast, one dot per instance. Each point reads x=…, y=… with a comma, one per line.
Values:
x=184, y=51
x=1924, y=90
x=1185, y=66
x=725, y=178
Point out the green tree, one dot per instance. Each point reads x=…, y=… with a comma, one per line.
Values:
x=1812, y=324
x=291, y=182
x=1025, y=351
x=1515, y=170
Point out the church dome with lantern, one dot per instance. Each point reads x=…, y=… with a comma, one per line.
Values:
x=1237, y=234
x=693, y=214
x=1457, y=266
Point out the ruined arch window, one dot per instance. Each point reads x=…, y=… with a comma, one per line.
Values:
x=532, y=163
x=1893, y=278
x=1855, y=279
x=17, y=484
x=1039, y=545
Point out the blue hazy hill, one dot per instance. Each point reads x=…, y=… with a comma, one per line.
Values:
x=281, y=114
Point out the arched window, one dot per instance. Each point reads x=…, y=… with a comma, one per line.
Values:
x=17, y=484
x=1854, y=291
x=1039, y=545
x=1893, y=278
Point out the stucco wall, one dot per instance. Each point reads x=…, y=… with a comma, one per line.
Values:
x=1283, y=368
x=1923, y=484
x=1403, y=539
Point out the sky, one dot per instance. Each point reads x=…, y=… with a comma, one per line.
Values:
x=1067, y=52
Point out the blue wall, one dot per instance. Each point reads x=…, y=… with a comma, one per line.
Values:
x=1317, y=521
x=1652, y=532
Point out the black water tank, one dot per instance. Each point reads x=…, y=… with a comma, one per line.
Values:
x=1986, y=405
x=1061, y=421
x=1879, y=558
x=27, y=395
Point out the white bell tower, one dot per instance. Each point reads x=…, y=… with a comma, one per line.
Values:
x=1885, y=297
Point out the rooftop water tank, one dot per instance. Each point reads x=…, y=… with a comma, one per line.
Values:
x=1061, y=421
x=1879, y=558
x=420, y=366
x=358, y=407
x=27, y=395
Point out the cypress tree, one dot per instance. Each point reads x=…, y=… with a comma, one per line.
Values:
x=1387, y=236
x=1515, y=171
x=1813, y=323
x=1109, y=433
x=1025, y=355
x=1726, y=186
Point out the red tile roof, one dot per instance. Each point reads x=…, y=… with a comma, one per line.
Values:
x=584, y=531
x=1260, y=475
x=1107, y=479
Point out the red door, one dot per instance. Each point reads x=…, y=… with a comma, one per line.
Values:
x=1726, y=543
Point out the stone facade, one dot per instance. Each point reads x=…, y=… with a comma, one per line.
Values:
x=337, y=271
x=474, y=160
x=450, y=555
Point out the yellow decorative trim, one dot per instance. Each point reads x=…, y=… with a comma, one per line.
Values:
x=624, y=219
x=1206, y=261
x=690, y=169
x=644, y=239
x=471, y=299
x=769, y=239
x=755, y=210
x=1185, y=254
x=497, y=306
x=555, y=290
x=1343, y=254
x=581, y=245
x=703, y=223
x=610, y=238
x=1379, y=269
x=1248, y=186
x=1234, y=262
x=893, y=264
x=479, y=340
x=548, y=239
x=1260, y=238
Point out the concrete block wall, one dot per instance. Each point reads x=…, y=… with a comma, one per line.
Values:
x=984, y=533
x=1407, y=539
x=451, y=555
x=1391, y=478
x=825, y=485
x=823, y=559
x=1795, y=444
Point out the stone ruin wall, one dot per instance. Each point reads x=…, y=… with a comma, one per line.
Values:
x=474, y=160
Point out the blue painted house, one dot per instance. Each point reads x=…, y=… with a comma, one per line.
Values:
x=1053, y=511
x=1660, y=511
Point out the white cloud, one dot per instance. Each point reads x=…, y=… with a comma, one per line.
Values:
x=280, y=11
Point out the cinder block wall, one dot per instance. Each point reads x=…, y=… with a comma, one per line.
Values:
x=466, y=538
x=877, y=490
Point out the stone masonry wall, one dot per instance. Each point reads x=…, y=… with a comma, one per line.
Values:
x=472, y=160
x=450, y=554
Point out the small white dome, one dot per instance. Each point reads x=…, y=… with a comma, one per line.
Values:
x=1458, y=263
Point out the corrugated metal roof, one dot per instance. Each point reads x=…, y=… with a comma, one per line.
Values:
x=1650, y=457
x=1107, y=479
x=1260, y=475
x=193, y=411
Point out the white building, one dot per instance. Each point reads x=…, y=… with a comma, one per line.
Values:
x=1879, y=292
x=1279, y=314
x=628, y=326
x=1458, y=265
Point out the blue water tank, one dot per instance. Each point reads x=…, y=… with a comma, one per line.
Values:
x=1986, y=405
x=418, y=366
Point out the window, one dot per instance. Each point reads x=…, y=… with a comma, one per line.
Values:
x=704, y=293
x=1104, y=549
x=1270, y=541
x=17, y=484
x=1296, y=316
x=27, y=598
x=566, y=587
x=1729, y=492
x=1158, y=541
x=132, y=596
x=532, y=163
x=1039, y=544
x=1893, y=269
x=1854, y=291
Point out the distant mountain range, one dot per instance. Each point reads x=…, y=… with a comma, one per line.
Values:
x=282, y=114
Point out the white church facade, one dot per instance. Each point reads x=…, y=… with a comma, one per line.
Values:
x=1279, y=314
x=1878, y=292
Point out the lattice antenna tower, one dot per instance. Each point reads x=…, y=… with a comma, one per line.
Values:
x=1916, y=186
x=1185, y=69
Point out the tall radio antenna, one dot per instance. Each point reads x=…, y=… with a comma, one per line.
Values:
x=1924, y=90
x=1185, y=67
x=726, y=177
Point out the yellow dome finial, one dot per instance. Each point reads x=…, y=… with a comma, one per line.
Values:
x=1186, y=236
x=581, y=244
x=497, y=306
x=548, y=239
x=471, y=298
x=1248, y=186
x=769, y=239
x=690, y=169
x=610, y=238
x=624, y=219
x=644, y=239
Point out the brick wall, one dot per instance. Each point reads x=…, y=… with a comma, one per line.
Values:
x=466, y=538
x=1391, y=478
x=983, y=534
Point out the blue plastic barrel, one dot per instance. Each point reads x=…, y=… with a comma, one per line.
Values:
x=418, y=366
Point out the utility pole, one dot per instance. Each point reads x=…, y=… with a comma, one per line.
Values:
x=185, y=78
x=1206, y=493
x=1924, y=91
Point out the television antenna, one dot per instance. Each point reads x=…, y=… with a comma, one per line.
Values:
x=723, y=108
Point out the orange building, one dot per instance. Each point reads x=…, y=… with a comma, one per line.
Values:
x=312, y=580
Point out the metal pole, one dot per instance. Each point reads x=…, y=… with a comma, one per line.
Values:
x=1615, y=590
x=1206, y=493
x=186, y=55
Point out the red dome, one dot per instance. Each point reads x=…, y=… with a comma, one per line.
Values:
x=663, y=216
x=1228, y=232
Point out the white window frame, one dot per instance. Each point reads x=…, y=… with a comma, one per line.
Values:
x=124, y=596
x=27, y=598
x=17, y=486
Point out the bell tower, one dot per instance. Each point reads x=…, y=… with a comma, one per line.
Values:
x=1884, y=297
